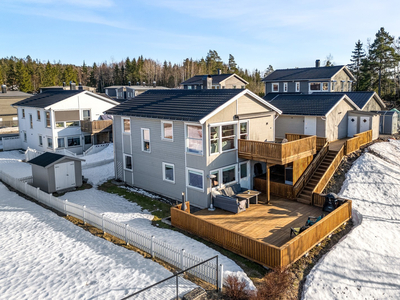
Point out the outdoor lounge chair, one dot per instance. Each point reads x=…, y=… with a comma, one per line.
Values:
x=312, y=220
x=297, y=230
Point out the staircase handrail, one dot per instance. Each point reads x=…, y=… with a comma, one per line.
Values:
x=309, y=172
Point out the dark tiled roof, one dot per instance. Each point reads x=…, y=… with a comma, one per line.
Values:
x=359, y=98
x=303, y=73
x=45, y=99
x=216, y=79
x=46, y=159
x=184, y=105
x=270, y=96
x=307, y=105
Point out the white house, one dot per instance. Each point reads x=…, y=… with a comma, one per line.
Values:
x=55, y=120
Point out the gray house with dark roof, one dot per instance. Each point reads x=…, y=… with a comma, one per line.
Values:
x=218, y=81
x=170, y=141
x=309, y=80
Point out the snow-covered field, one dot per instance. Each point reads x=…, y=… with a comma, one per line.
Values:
x=366, y=263
x=44, y=256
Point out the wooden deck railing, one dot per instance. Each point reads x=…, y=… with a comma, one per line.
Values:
x=365, y=137
x=321, y=141
x=281, y=190
x=357, y=141
x=96, y=126
x=258, y=251
x=301, y=244
x=308, y=173
x=329, y=172
x=277, y=153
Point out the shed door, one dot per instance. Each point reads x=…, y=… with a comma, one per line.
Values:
x=64, y=175
x=310, y=125
x=364, y=123
x=352, y=126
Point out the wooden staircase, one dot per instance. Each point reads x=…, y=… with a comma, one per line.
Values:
x=305, y=195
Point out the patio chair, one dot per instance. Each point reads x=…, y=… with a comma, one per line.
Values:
x=312, y=220
x=297, y=230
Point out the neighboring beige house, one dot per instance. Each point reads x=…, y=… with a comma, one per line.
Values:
x=219, y=81
x=309, y=80
x=333, y=116
x=8, y=114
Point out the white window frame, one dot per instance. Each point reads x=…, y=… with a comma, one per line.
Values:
x=272, y=87
x=58, y=146
x=219, y=138
x=23, y=113
x=73, y=137
x=333, y=85
x=187, y=139
x=52, y=142
x=162, y=131
x=143, y=140
x=187, y=179
x=349, y=86
x=322, y=86
x=90, y=115
x=123, y=127
x=248, y=131
x=297, y=86
x=45, y=117
x=285, y=87
x=40, y=140
x=25, y=137
x=342, y=86
x=220, y=176
x=125, y=168
x=164, y=164
x=30, y=121
x=313, y=91
x=38, y=116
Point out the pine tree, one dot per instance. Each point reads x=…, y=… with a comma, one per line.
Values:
x=268, y=70
x=92, y=77
x=357, y=57
x=70, y=74
x=232, y=64
x=48, y=76
x=329, y=61
x=23, y=78
x=383, y=57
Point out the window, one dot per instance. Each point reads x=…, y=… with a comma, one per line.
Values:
x=285, y=87
x=127, y=162
x=189, y=87
x=49, y=142
x=214, y=138
x=243, y=170
x=61, y=143
x=333, y=85
x=48, y=124
x=195, y=179
x=242, y=87
x=167, y=130
x=228, y=137
x=223, y=137
x=40, y=141
x=168, y=172
x=72, y=124
x=74, y=141
x=15, y=118
x=315, y=86
x=215, y=181
x=275, y=87
x=244, y=130
x=234, y=86
x=25, y=136
x=38, y=115
x=342, y=86
x=60, y=125
x=325, y=86
x=229, y=175
x=349, y=86
x=30, y=121
x=194, y=139
x=297, y=84
x=88, y=139
x=23, y=113
x=126, y=125
x=146, y=140
x=86, y=114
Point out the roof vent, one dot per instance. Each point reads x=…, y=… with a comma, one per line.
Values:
x=154, y=84
x=4, y=89
x=72, y=86
x=138, y=83
x=317, y=63
x=80, y=86
x=129, y=83
x=144, y=83
x=64, y=84
x=219, y=71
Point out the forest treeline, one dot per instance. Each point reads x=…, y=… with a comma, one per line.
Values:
x=29, y=75
x=375, y=66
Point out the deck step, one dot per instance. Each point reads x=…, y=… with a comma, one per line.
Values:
x=301, y=200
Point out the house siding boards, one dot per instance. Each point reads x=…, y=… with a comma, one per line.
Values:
x=372, y=105
x=232, y=82
x=339, y=77
x=289, y=124
x=321, y=127
x=336, y=124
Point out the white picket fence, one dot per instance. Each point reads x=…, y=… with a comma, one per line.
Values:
x=156, y=248
x=95, y=148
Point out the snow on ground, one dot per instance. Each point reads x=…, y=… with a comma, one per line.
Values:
x=11, y=163
x=105, y=154
x=11, y=156
x=44, y=256
x=121, y=210
x=365, y=264
x=98, y=175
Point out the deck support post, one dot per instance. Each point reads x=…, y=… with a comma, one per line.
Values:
x=268, y=187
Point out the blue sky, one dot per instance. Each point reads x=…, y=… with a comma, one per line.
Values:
x=283, y=34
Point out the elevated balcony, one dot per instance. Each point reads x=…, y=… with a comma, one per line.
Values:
x=93, y=127
x=277, y=153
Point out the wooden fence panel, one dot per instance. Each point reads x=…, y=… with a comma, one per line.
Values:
x=365, y=137
x=281, y=190
x=306, y=240
x=352, y=145
x=318, y=200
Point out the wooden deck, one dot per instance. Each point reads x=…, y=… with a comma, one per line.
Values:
x=265, y=223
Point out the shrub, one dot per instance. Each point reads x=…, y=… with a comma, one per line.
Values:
x=274, y=285
x=236, y=289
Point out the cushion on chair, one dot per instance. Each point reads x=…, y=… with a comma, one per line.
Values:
x=236, y=188
x=229, y=191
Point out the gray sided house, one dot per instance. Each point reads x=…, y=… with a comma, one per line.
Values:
x=53, y=172
x=309, y=80
x=324, y=115
x=218, y=81
x=169, y=141
x=126, y=92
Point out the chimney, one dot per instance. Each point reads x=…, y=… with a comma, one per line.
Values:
x=144, y=83
x=4, y=89
x=317, y=63
x=129, y=83
x=154, y=84
x=64, y=84
x=207, y=82
x=138, y=83
x=72, y=86
x=80, y=86
x=219, y=71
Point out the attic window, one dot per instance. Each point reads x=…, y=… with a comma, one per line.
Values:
x=275, y=87
x=297, y=86
x=315, y=86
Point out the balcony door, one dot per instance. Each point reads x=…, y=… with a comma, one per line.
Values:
x=244, y=174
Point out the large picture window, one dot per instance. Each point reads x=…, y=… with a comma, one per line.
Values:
x=146, y=140
x=195, y=179
x=224, y=176
x=194, y=139
x=168, y=172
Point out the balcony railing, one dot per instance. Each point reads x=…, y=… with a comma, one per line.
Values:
x=96, y=126
x=278, y=153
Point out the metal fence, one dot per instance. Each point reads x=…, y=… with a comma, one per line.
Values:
x=172, y=287
x=207, y=271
